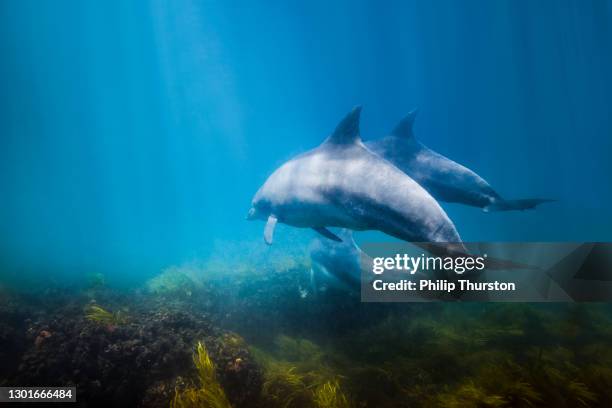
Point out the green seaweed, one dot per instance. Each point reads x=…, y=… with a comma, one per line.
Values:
x=209, y=393
x=329, y=395
x=284, y=387
x=474, y=355
x=296, y=375
x=177, y=280
x=104, y=317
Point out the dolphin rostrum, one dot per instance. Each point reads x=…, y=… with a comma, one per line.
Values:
x=442, y=177
x=343, y=184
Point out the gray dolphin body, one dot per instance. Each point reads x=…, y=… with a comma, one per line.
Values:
x=341, y=266
x=337, y=265
x=443, y=178
x=343, y=184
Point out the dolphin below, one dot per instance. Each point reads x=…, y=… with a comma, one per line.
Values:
x=337, y=265
x=342, y=266
x=443, y=178
x=341, y=183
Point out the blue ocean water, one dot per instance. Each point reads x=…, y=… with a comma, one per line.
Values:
x=134, y=134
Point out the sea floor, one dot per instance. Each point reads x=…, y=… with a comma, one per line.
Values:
x=268, y=342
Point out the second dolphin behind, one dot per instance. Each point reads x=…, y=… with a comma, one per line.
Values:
x=442, y=177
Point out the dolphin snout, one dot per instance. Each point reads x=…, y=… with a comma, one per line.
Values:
x=251, y=214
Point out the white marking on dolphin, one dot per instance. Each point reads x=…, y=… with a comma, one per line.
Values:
x=343, y=184
x=443, y=178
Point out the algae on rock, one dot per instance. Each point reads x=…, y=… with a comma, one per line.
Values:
x=102, y=316
x=209, y=394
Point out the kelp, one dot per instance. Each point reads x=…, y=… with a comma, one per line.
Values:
x=329, y=395
x=209, y=393
x=469, y=395
x=296, y=375
x=104, y=317
x=476, y=355
x=284, y=387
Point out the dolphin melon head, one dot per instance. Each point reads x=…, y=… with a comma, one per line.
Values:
x=260, y=209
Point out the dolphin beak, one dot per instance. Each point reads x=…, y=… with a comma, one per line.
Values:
x=251, y=215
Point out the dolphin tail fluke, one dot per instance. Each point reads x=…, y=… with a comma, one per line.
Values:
x=516, y=205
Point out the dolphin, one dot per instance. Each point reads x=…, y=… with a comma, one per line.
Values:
x=341, y=183
x=341, y=267
x=336, y=265
x=443, y=178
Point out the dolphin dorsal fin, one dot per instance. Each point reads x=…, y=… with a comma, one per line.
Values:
x=347, y=131
x=404, y=127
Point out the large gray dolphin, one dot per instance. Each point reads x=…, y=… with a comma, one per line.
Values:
x=343, y=184
x=443, y=178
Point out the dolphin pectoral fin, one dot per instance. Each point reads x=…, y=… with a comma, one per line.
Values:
x=516, y=205
x=269, y=229
x=327, y=233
